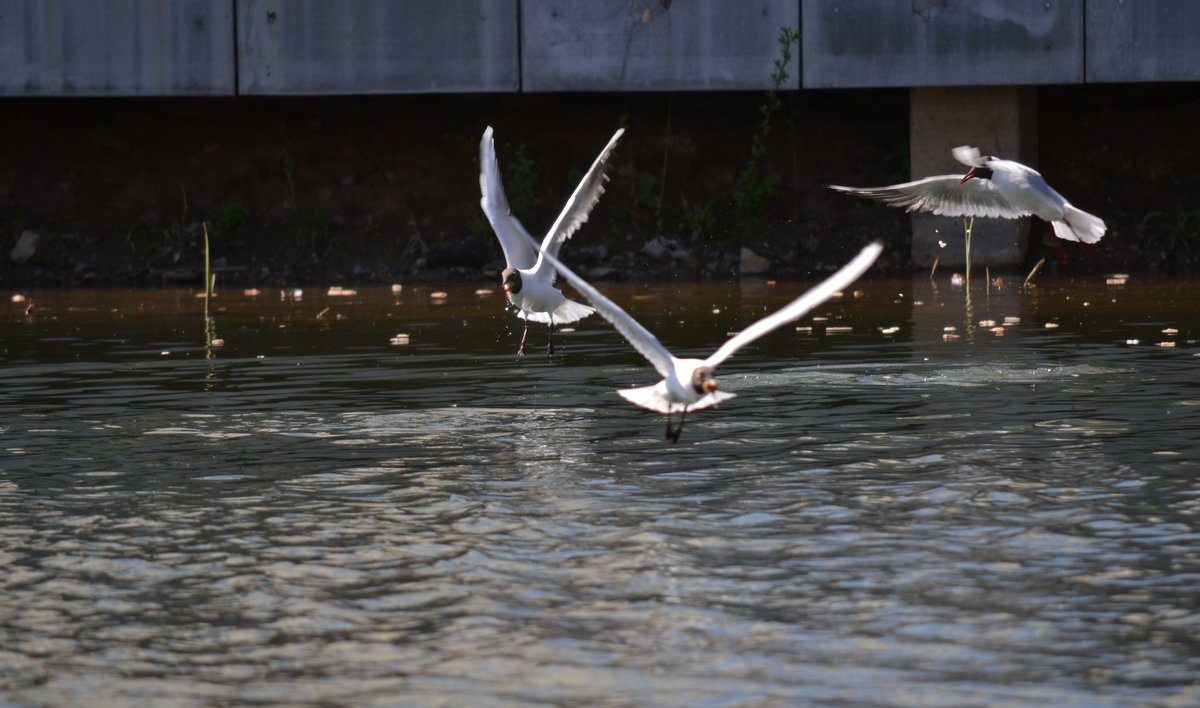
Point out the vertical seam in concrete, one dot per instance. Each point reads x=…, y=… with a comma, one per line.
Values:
x=520, y=50
x=1083, y=39
x=237, y=80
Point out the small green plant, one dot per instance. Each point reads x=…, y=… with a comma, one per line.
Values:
x=754, y=188
x=233, y=215
x=287, y=163
x=312, y=226
x=898, y=164
x=646, y=195
x=1173, y=230
x=522, y=181
x=697, y=219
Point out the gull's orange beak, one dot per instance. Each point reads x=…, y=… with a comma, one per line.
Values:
x=710, y=385
x=970, y=173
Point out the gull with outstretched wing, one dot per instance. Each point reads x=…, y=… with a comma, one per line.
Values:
x=528, y=283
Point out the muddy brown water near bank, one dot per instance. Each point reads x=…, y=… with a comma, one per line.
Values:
x=364, y=189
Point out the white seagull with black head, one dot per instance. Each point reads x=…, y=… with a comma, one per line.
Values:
x=991, y=188
x=691, y=384
x=529, y=282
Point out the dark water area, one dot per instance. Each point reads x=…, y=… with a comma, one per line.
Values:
x=366, y=499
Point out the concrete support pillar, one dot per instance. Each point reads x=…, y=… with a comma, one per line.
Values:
x=999, y=120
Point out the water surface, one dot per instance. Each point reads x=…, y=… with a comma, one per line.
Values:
x=891, y=512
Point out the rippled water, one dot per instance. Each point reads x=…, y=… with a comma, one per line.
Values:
x=313, y=514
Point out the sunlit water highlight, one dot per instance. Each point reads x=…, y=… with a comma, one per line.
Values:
x=312, y=514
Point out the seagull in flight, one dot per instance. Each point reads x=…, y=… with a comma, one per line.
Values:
x=991, y=188
x=691, y=384
x=527, y=280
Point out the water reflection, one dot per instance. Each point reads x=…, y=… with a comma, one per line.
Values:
x=310, y=513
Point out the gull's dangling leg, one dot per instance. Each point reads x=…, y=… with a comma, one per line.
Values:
x=521, y=349
x=668, y=422
x=550, y=338
x=679, y=428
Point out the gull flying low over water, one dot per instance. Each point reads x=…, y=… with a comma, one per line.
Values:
x=528, y=281
x=991, y=188
x=691, y=384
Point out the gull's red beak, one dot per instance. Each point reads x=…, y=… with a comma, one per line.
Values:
x=970, y=173
x=710, y=385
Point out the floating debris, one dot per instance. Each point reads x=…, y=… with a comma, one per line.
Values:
x=838, y=294
x=949, y=337
x=918, y=303
x=218, y=342
x=890, y=330
x=716, y=310
x=858, y=294
x=399, y=340
x=439, y=295
x=1165, y=344
x=998, y=331
x=480, y=292
x=251, y=292
x=1116, y=279
x=770, y=282
x=1086, y=303
x=949, y=328
x=957, y=280
x=566, y=329
x=838, y=330
x=1050, y=325
x=1170, y=331
x=1131, y=341
x=322, y=313
x=987, y=323
x=397, y=288
x=202, y=296
x=804, y=330
x=820, y=319
x=339, y=291
x=18, y=297
x=164, y=353
x=1011, y=321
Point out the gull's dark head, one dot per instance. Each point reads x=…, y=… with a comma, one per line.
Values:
x=978, y=173
x=703, y=380
x=510, y=278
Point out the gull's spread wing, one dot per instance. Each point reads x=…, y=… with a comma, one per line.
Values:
x=801, y=305
x=514, y=239
x=577, y=208
x=946, y=195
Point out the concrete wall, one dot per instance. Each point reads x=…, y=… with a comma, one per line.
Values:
x=374, y=46
x=867, y=43
x=226, y=47
x=618, y=45
x=116, y=47
x=1132, y=40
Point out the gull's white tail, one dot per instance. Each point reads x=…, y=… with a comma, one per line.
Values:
x=1078, y=225
x=654, y=398
x=567, y=312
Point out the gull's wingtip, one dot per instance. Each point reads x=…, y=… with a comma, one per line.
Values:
x=870, y=253
x=968, y=155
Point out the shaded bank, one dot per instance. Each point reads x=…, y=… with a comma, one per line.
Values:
x=362, y=189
